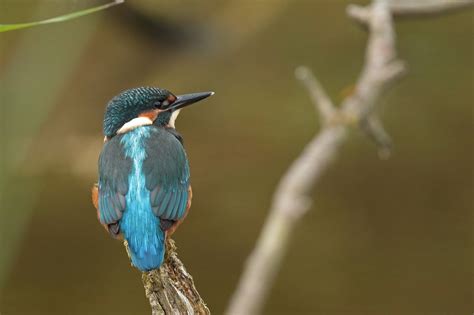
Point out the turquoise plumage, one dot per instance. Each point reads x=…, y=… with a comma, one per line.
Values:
x=144, y=191
x=157, y=180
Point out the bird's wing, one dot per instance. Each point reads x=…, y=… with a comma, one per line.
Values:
x=166, y=172
x=114, y=169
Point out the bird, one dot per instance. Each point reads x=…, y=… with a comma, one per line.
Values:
x=143, y=191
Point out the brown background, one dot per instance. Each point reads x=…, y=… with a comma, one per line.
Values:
x=383, y=237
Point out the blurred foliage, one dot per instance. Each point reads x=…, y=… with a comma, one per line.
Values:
x=391, y=237
x=58, y=19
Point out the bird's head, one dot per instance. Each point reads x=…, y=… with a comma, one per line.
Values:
x=145, y=106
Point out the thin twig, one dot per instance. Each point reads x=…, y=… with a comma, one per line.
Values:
x=412, y=8
x=373, y=128
x=320, y=99
x=292, y=198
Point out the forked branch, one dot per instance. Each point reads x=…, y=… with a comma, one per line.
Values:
x=292, y=198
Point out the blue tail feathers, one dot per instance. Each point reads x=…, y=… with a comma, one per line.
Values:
x=140, y=226
x=146, y=258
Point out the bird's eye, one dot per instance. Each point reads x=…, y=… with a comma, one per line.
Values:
x=171, y=99
x=167, y=102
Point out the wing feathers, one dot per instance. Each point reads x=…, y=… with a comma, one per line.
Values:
x=114, y=168
x=174, y=207
x=167, y=175
x=166, y=172
x=170, y=207
x=182, y=204
x=163, y=206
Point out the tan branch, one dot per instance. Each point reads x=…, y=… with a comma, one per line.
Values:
x=411, y=8
x=373, y=128
x=170, y=289
x=320, y=99
x=292, y=198
x=418, y=8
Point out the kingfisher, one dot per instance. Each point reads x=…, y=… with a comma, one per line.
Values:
x=144, y=192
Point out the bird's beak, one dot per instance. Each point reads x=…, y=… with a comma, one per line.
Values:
x=188, y=99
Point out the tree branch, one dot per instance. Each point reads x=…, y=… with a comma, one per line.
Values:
x=170, y=289
x=321, y=100
x=412, y=8
x=292, y=198
x=373, y=128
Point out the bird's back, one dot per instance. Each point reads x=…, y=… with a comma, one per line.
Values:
x=143, y=181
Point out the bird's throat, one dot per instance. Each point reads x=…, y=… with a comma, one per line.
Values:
x=135, y=123
x=173, y=117
x=145, y=120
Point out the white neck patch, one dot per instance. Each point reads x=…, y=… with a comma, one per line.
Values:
x=135, y=123
x=173, y=117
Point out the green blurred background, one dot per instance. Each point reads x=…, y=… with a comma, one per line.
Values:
x=384, y=237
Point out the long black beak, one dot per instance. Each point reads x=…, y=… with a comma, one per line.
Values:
x=188, y=99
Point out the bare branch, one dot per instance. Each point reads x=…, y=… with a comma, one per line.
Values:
x=170, y=289
x=418, y=8
x=290, y=202
x=411, y=8
x=374, y=129
x=358, y=13
x=320, y=99
x=292, y=198
x=381, y=66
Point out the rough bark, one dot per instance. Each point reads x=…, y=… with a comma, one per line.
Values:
x=170, y=289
